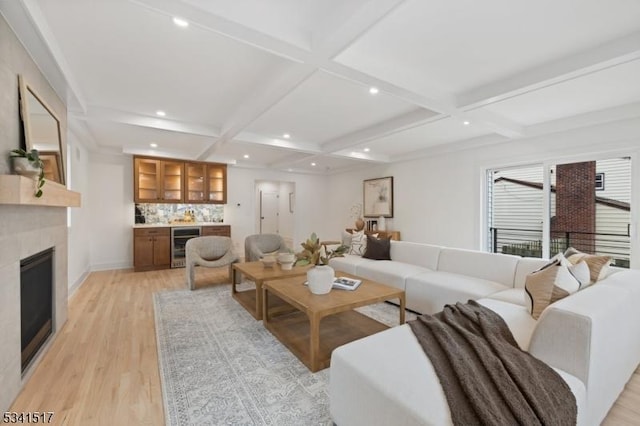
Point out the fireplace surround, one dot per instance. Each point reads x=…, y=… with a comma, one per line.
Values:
x=25, y=231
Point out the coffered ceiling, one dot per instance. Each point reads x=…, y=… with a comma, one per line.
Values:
x=245, y=73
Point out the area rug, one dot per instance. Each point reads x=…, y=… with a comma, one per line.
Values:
x=219, y=365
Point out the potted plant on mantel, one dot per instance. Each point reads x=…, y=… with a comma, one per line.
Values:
x=28, y=163
x=320, y=278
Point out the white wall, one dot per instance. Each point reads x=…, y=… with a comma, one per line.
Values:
x=81, y=224
x=287, y=217
x=439, y=199
x=112, y=212
x=309, y=210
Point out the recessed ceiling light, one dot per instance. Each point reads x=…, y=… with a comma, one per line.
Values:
x=313, y=164
x=153, y=145
x=246, y=156
x=180, y=22
x=373, y=90
x=466, y=123
x=366, y=150
x=286, y=136
x=289, y=170
x=161, y=113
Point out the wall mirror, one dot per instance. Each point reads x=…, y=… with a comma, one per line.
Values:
x=42, y=131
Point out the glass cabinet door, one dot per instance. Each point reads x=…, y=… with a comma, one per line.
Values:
x=217, y=182
x=195, y=174
x=172, y=181
x=147, y=180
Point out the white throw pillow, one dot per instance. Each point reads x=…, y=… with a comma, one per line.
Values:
x=549, y=284
x=358, y=243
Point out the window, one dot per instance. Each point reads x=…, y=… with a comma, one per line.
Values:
x=531, y=216
x=599, y=181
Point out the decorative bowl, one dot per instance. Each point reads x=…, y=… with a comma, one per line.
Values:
x=268, y=261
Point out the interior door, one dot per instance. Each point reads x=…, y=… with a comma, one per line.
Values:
x=268, y=212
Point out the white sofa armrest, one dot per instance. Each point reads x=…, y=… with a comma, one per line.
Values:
x=583, y=333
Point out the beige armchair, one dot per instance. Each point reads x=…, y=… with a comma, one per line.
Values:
x=212, y=252
x=256, y=246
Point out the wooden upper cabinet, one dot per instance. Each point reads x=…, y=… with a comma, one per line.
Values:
x=159, y=180
x=146, y=176
x=217, y=183
x=172, y=178
x=195, y=183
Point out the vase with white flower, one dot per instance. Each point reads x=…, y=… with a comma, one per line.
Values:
x=320, y=278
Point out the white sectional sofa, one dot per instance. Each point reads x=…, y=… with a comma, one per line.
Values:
x=591, y=338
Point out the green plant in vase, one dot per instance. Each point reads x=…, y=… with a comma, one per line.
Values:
x=28, y=163
x=312, y=253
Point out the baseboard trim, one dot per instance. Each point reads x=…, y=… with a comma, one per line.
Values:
x=110, y=266
x=76, y=285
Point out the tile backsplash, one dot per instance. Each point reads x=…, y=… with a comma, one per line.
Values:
x=165, y=213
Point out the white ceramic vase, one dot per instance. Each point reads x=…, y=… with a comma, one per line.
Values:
x=320, y=279
x=22, y=166
x=382, y=224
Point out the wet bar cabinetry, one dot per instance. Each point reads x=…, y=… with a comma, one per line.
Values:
x=152, y=244
x=163, y=180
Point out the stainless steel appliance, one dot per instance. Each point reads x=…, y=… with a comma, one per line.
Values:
x=179, y=237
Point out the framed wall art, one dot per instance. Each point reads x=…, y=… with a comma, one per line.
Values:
x=378, y=197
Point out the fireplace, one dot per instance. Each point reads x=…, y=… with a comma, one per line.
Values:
x=36, y=303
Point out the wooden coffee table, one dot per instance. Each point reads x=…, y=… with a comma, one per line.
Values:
x=251, y=300
x=301, y=330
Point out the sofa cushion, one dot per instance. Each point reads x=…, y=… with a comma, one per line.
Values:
x=428, y=292
x=348, y=263
x=377, y=248
x=525, y=266
x=548, y=285
x=499, y=268
x=516, y=296
x=388, y=272
x=416, y=254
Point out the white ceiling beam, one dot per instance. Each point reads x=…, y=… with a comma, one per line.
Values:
x=393, y=125
x=299, y=146
x=81, y=131
x=362, y=156
x=441, y=103
x=593, y=118
x=116, y=116
x=495, y=122
x=329, y=39
x=227, y=28
x=599, y=58
x=345, y=27
x=260, y=102
x=288, y=81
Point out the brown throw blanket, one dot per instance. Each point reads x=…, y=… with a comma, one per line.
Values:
x=486, y=377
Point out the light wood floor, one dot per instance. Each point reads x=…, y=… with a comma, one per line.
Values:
x=102, y=369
